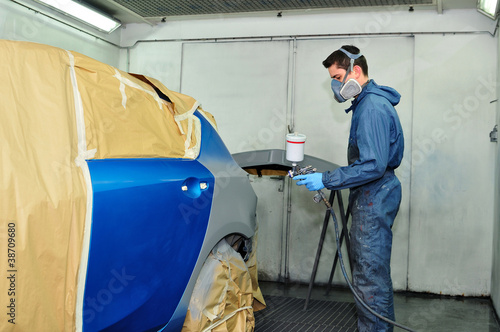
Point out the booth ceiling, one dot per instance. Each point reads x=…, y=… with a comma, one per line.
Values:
x=137, y=11
x=155, y=8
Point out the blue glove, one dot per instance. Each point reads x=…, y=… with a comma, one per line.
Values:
x=312, y=181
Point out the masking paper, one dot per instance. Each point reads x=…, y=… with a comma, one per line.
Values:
x=126, y=118
x=43, y=192
x=58, y=109
x=226, y=293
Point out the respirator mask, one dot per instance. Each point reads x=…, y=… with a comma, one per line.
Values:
x=346, y=90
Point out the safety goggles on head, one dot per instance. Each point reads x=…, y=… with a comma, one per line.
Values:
x=346, y=90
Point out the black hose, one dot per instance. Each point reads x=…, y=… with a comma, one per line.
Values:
x=342, y=267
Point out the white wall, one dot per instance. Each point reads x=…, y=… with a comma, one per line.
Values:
x=159, y=60
x=495, y=278
x=391, y=19
x=453, y=164
x=20, y=23
x=246, y=79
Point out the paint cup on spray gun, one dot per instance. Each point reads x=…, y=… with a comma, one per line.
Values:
x=295, y=147
x=295, y=150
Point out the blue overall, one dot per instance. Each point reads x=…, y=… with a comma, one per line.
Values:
x=375, y=149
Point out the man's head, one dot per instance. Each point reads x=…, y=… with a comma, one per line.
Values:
x=339, y=67
x=342, y=61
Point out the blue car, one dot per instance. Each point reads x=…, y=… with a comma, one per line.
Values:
x=114, y=191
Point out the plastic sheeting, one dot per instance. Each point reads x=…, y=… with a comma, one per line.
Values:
x=57, y=110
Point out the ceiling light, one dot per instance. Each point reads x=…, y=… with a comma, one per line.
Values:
x=83, y=14
x=488, y=8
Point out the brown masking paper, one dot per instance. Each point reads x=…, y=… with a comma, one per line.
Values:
x=43, y=194
x=226, y=293
x=59, y=108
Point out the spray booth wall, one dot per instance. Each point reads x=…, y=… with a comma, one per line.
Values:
x=495, y=277
x=258, y=87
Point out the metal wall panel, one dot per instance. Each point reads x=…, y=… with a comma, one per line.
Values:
x=495, y=276
x=453, y=163
x=244, y=85
x=158, y=60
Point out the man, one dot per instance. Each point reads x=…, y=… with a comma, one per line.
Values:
x=375, y=149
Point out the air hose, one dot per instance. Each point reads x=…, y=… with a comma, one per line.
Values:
x=342, y=267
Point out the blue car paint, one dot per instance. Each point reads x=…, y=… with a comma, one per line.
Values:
x=146, y=236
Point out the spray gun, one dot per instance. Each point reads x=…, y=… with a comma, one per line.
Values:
x=298, y=170
x=294, y=154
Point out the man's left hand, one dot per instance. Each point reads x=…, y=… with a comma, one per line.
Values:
x=312, y=181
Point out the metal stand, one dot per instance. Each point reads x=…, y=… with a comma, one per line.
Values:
x=344, y=234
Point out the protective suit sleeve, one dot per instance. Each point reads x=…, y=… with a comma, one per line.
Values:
x=373, y=139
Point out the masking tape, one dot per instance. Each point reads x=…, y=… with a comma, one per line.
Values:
x=81, y=162
x=125, y=81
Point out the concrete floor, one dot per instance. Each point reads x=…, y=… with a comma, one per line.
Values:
x=421, y=312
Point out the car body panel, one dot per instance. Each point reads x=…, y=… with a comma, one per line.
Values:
x=145, y=240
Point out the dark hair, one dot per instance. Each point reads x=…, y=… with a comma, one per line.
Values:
x=340, y=59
